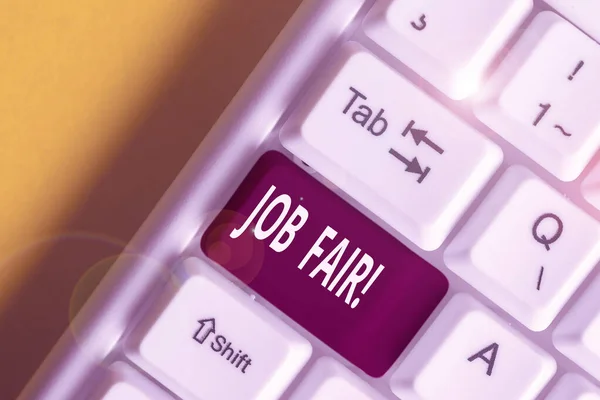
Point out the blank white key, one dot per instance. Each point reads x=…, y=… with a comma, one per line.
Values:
x=527, y=248
x=211, y=341
x=545, y=96
x=449, y=43
x=578, y=334
x=124, y=383
x=468, y=353
x=574, y=387
x=329, y=380
x=391, y=147
x=124, y=391
x=583, y=13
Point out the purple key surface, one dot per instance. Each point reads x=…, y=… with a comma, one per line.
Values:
x=324, y=264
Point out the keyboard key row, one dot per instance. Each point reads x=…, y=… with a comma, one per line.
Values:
x=243, y=351
x=366, y=106
x=416, y=166
x=526, y=247
x=326, y=380
x=329, y=380
x=542, y=98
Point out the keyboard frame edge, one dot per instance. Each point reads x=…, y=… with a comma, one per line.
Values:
x=315, y=28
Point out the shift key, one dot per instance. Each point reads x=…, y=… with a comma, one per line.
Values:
x=324, y=264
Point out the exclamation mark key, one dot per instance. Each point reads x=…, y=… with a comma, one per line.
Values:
x=324, y=264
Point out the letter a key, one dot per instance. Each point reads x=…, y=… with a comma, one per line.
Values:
x=468, y=353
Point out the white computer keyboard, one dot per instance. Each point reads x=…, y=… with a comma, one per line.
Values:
x=402, y=202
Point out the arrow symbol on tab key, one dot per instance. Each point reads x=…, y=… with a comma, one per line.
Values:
x=207, y=326
x=412, y=166
x=420, y=136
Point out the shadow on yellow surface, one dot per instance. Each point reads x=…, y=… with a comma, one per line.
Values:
x=56, y=274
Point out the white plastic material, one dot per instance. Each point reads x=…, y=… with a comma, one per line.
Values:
x=578, y=334
x=527, y=248
x=544, y=98
x=303, y=61
x=583, y=13
x=124, y=383
x=391, y=147
x=213, y=342
x=329, y=380
x=469, y=354
x=574, y=387
x=449, y=43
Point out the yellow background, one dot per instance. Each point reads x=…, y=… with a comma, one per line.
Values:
x=101, y=104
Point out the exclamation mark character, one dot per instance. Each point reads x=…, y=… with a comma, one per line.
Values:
x=576, y=70
x=368, y=285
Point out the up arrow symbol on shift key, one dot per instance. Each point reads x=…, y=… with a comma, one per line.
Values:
x=207, y=326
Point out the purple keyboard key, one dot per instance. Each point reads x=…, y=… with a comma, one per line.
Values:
x=324, y=264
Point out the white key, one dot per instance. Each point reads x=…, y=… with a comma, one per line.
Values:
x=124, y=383
x=591, y=187
x=578, y=334
x=391, y=147
x=329, y=380
x=124, y=391
x=468, y=353
x=583, y=13
x=213, y=342
x=449, y=43
x=574, y=387
x=544, y=98
x=527, y=248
